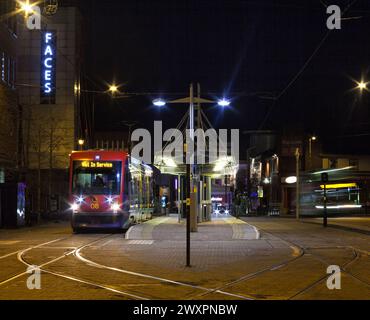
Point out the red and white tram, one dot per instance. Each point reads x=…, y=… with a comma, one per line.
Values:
x=109, y=189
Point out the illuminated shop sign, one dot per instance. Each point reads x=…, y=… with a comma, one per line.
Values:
x=48, y=67
x=94, y=164
x=217, y=199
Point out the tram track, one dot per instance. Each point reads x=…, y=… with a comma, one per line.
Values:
x=94, y=264
x=15, y=253
x=76, y=252
x=298, y=251
x=343, y=269
x=33, y=247
x=20, y=256
x=73, y=278
x=303, y=252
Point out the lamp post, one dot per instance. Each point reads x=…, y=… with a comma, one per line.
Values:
x=298, y=157
x=311, y=139
x=191, y=196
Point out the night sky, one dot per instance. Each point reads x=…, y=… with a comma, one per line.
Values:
x=248, y=50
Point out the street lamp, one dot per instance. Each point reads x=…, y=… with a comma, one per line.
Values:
x=159, y=103
x=298, y=157
x=113, y=89
x=191, y=101
x=26, y=7
x=224, y=103
x=311, y=139
x=362, y=86
x=81, y=143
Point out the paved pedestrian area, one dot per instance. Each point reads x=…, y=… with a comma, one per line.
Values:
x=257, y=258
x=169, y=228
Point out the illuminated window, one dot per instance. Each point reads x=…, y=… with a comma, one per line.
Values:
x=3, y=66
x=2, y=175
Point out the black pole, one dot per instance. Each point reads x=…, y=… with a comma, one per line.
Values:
x=188, y=220
x=325, y=208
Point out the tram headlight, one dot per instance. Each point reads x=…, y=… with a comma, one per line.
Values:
x=109, y=200
x=115, y=207
x=80, y=200
x=75, y=207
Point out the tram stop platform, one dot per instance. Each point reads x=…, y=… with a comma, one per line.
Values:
x=169, y=228
x=222, y=250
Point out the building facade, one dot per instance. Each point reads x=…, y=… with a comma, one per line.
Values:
x=48, y=83
x=9, y=110
x=278, y=159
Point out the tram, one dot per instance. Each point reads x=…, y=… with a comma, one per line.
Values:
x=109, y=190
x=344, y=197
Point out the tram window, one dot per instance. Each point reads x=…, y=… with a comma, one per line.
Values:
x=127, y=178
x=93, y=180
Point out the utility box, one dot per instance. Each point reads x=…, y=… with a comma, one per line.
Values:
x=12, y=205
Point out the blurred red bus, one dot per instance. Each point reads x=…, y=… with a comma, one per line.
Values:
x=109, y=189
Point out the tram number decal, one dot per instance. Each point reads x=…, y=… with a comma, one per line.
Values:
x=95, y=206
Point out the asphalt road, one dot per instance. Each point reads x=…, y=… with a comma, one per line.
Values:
x=288, y=261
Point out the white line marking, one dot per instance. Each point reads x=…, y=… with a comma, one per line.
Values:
x=20, y=258
x=77, y=253
x=35, y=247
x=128, y=232
x=140, y=242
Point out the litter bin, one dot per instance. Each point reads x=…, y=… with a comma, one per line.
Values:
x=13, y=205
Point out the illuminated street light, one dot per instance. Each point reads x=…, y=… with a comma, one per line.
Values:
x=224, y=103
x=312, y=139
x=291, y=180
x=81, y=143
x=159, y=103
x=362, y=86
x=113, y=89
x=26, y=7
